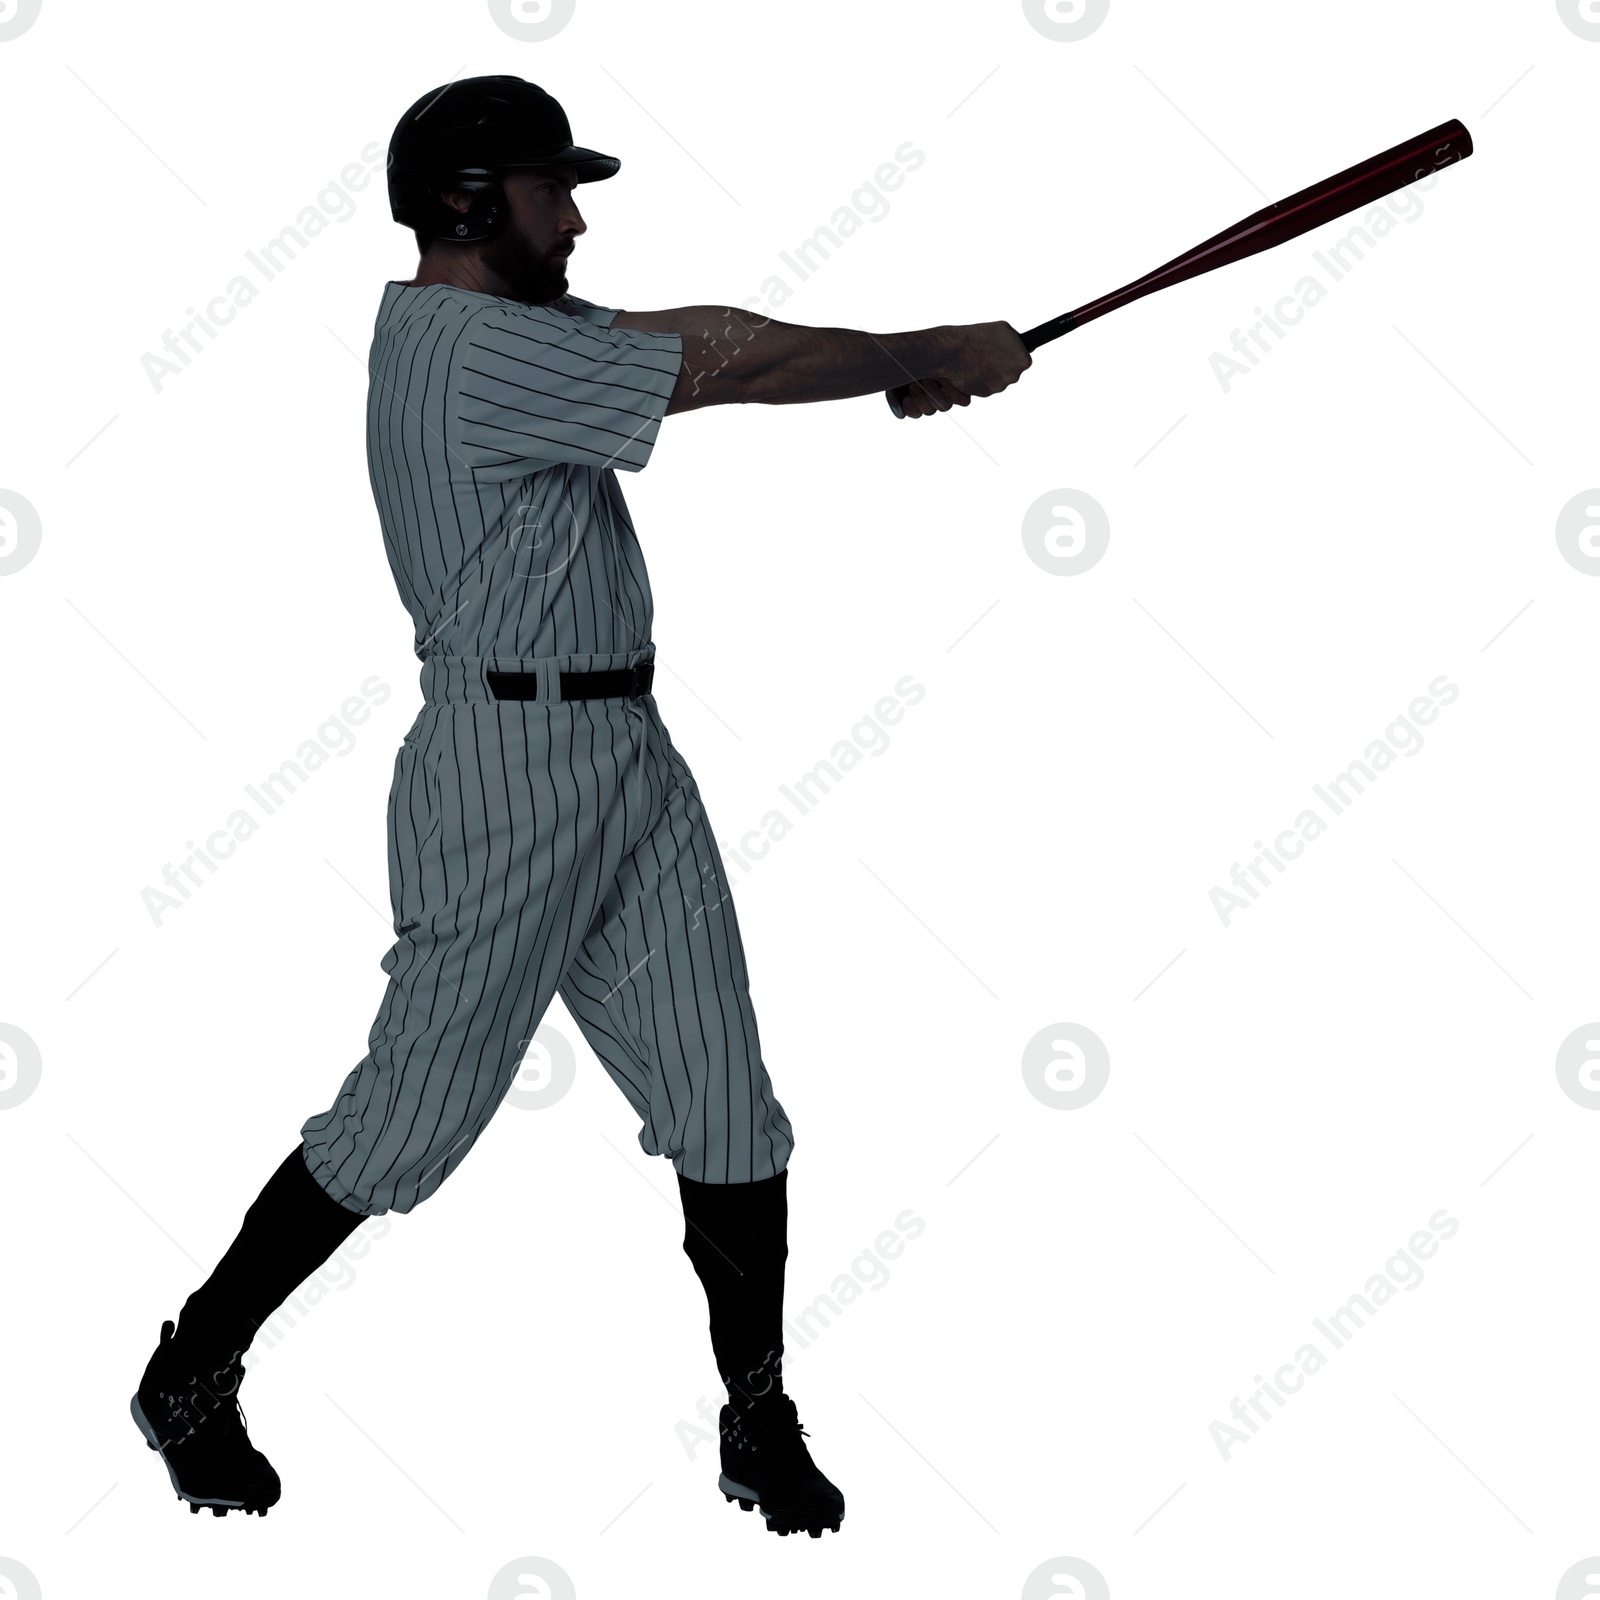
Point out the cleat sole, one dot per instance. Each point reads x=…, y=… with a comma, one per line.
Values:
x=783, y=1526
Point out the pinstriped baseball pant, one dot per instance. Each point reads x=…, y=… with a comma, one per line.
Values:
x=537, y=847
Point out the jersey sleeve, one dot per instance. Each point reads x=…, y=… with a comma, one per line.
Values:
x=536, y=387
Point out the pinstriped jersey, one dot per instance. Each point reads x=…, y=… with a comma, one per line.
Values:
x=493, y=432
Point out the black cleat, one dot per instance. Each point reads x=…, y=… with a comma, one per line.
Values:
x=189, y=1412
x=766, y=1466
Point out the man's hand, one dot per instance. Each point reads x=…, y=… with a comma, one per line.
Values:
x=983, y=359
x=927, y=395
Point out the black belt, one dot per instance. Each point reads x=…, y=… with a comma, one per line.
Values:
x=614, y=684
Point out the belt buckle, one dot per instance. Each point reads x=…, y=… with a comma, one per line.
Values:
x=636, y=681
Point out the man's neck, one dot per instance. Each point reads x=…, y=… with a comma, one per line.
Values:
x=465, y=272
x=470, y=273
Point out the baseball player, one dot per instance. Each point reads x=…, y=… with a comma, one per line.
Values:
x=545, y=837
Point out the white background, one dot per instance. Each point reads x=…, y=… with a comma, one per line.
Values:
x=1292, y=562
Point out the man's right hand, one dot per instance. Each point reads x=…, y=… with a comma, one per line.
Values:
x=983, y=358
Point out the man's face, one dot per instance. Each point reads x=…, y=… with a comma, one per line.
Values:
x=530, y=253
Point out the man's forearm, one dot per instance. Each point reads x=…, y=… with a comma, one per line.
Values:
x=735, y=356
x=785, y=363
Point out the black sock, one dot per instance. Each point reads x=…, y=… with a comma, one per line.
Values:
x=736, y=1235
x=292, y=1227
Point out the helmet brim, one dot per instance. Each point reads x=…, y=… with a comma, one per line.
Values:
x=590, y=164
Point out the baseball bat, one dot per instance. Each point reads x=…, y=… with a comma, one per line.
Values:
x=1337, y=196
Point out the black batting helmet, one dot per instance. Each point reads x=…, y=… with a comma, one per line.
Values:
x=464, y=136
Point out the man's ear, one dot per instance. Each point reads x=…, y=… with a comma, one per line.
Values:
x=456, y=199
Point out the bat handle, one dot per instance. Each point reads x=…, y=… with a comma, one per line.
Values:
x=1046, y=331
x=1032, y=339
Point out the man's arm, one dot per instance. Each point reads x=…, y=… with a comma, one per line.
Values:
x=737, y=358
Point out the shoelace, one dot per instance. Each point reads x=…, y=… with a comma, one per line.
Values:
x=192, y=1392
x=786, y=1422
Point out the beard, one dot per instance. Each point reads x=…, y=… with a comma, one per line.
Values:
x=528, y=275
